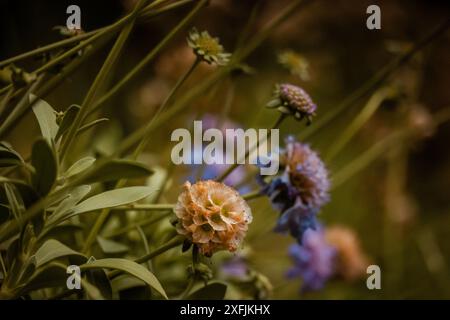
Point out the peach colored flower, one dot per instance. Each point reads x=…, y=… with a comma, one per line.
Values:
x=213, y=216
x=352, y=262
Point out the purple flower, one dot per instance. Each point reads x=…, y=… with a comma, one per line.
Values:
x=301, y=189
x=235, y=267
x=293, y=100
x=313, y=260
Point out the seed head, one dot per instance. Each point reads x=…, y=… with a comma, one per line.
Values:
x=293, y=100
x=213, y=216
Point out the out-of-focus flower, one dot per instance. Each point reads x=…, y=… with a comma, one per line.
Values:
x=293, y=100
x=420, y=121
x=301, y=190
x=313, y=260
x=213, y=216
x=295, y=63
x=212, y=171
x=236, y=267
x=207, y=48
x=351, y=262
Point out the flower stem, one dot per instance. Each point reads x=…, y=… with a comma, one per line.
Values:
x=141, y=146
x=144, y=62
x=105, y=212
x=364, y=115
x=145, y=207
x=141, y=223
x=230, y=169
x=99, y=80
x=374, y=82
x=175, y=242
x=252, y=195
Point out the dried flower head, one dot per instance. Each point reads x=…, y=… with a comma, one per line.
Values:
x=295, y=63
x=352, y=262
x=207, y=48
x=313, y=260
x=293, y=100
x=213, y=216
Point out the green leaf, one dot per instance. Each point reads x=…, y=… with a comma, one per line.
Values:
x=67, y=120
x=212, y=291
x=130, y=267
x=79, y=166
x=15, y=202
x=119, y=169
x=44, y=162
x=46, y=118
x=124, y=282
x=110, y=246
x=110, y=199
x=27, y=193
x=53, y=249
x=66, y=205
x=8, y=156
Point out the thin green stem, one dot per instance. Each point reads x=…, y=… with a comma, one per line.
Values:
x=146, y=247
x=105, y=213
x=366, y=158
x=145, y=207
x=141, y=146
x=175, y=242
x=50, y=47
x=374, y=82
x=364, y=115
x=144, y=62
x=142, y=223
x=5, y=273
x=253, y=195
x=8, y=229
x=230, y=169
x=48, y=86
x=99, y=81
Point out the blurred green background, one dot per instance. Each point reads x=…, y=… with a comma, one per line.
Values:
x=398, y=205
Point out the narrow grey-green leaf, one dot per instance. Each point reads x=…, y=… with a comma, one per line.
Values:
x=119, y=169
x=67, y=204
x=67, y=120
x=15, y=202
x=125, y=281
x=110, y=199
x=212, y=291
x=110, y=246
x=46, y=117
x=130, y=267
x=79, y=166
x=8, y=156
x=53, y=249
x=44, y=162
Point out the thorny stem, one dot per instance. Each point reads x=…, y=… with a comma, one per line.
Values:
x=230, y=169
